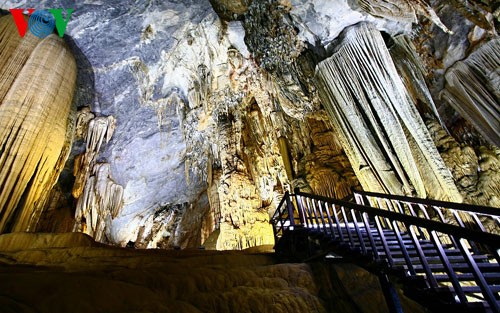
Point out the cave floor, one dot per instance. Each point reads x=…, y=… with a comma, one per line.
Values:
x=71, y=273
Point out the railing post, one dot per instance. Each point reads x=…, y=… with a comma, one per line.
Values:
x=290, y=209
x=390, y=294
x=302, y=216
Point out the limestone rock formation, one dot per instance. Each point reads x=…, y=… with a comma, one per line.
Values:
x=230, y=9
x=37, y=82
x=405, y=10
x=473, y=89
x=196, y=116
x=412, y=72
x=383, y=135
x=99, y=131
x=475, y=171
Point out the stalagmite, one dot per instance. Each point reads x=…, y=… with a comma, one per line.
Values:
x=37, y=81
x=285, y=155
x=379, y=127
x=472, y=89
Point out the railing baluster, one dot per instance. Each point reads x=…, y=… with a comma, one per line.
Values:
x=280, y=215
x=339, y=228
x=380, y=230
x=307, y=218
x=448, y=268
x=347, y=228
x=478, y=222
x=478, y=276
x=315, y=220
x=358, y=231
x=421, y=232
x=366, y=222
x=398, y=204
x=358, y=198
x=290, y=211
x=440, y=213
x=330, y=221
x=320, y=209
x=390, y=204
x=300, y=208
x=457, y=218
x=423, y=260
x=402, y=246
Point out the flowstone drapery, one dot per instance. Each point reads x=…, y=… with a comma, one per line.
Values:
x=412, y=71
x=378, y=125
x=472, y=89
x=37, y=81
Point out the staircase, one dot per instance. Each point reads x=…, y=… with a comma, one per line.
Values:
x=445, y=255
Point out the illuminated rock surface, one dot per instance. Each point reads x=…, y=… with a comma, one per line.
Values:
x=37, y=84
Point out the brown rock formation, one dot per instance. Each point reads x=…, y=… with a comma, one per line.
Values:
x=475, y=171
x=80, y=275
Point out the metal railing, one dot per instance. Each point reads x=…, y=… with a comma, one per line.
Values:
x=485, y=219
x=412, y=235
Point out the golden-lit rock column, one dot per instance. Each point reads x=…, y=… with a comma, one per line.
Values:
x=37, y=82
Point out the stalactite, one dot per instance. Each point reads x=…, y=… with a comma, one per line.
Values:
x=37, y=81
x=99, y=130
x=402, y=10
x=99, y=203
x=472, y=89
x=285, y=155
x=14, y=52
x=84, y=116
x=412, y=72
x=99, y=197
x=373, y=115
x=213, y=197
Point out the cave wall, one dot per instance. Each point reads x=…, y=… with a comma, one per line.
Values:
x=196, y=119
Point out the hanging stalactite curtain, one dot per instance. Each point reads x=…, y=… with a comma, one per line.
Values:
x=377, y=122
x=473, y=90
x=37, y=81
